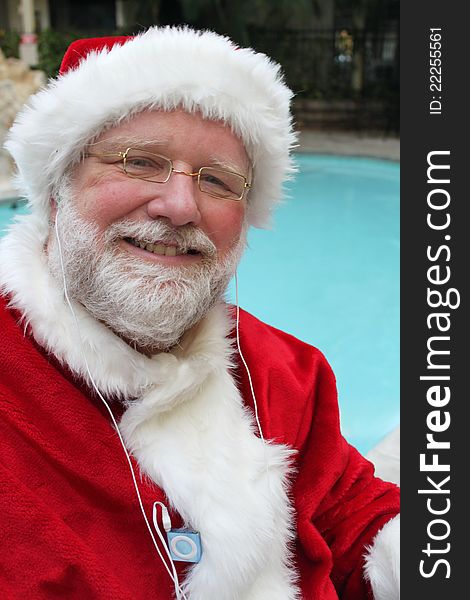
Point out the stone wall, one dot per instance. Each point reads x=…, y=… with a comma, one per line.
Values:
x=17, y=83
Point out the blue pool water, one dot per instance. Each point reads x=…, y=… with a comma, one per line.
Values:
x=7, y=211
x=328, y=273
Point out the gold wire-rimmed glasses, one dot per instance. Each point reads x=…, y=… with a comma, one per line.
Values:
x=142, y=164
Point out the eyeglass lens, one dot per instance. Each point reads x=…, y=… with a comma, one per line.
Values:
x=153, y=167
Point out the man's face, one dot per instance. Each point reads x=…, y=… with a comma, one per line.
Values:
x=105, y=194
x=150, y=296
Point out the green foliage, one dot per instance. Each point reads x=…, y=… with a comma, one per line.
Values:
x=318, y=63
x=51, y=48
x=235, y=18
x=147, y=13
x=9, y=43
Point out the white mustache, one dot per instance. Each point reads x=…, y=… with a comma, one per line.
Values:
x=186, y=237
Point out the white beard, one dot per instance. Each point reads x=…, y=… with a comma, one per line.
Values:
x=149, y=305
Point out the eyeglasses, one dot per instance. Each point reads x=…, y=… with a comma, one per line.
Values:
x=141, y=164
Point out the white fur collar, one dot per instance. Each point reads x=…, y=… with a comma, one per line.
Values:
x=382, y=565
x=186, y=425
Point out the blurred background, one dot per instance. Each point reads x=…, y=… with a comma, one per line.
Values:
x=328, y=272
x=340, y=57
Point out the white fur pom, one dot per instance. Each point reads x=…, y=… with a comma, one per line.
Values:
x=382, y=566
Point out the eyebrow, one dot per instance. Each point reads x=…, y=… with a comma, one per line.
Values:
x=227, y=165
x=123, y=142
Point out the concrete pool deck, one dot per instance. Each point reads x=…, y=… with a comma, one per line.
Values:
x=350, y=144
x=7, y=190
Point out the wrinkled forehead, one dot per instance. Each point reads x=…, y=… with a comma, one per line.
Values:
x=177, y=134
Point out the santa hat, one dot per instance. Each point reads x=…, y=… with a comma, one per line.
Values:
x=106, y=80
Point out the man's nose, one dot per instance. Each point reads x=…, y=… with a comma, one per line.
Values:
x=176, y=200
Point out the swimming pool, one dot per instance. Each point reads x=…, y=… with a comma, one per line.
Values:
x=328, y=273
x=8, y=209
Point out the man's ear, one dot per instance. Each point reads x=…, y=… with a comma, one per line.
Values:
x=52, y=210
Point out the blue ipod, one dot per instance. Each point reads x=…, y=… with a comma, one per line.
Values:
x=184, y=545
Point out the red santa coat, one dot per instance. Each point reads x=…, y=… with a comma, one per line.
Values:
x=275, y=518
x=71, y=523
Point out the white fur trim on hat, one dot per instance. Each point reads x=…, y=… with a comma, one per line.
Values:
x=163, y=68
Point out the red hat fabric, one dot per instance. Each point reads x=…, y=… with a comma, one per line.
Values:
x=79, y=49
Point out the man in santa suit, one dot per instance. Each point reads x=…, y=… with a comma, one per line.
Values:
x=156, y=442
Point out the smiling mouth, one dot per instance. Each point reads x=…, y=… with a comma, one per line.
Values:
x=161, y=249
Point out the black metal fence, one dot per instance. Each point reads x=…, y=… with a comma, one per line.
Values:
x=340, y=66
x=334, y=63
x=341, y=77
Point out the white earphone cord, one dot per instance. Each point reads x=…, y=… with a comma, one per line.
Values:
x=244, y=361
x=173, y=575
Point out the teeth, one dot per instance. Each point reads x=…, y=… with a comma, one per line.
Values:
x=160, y=249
